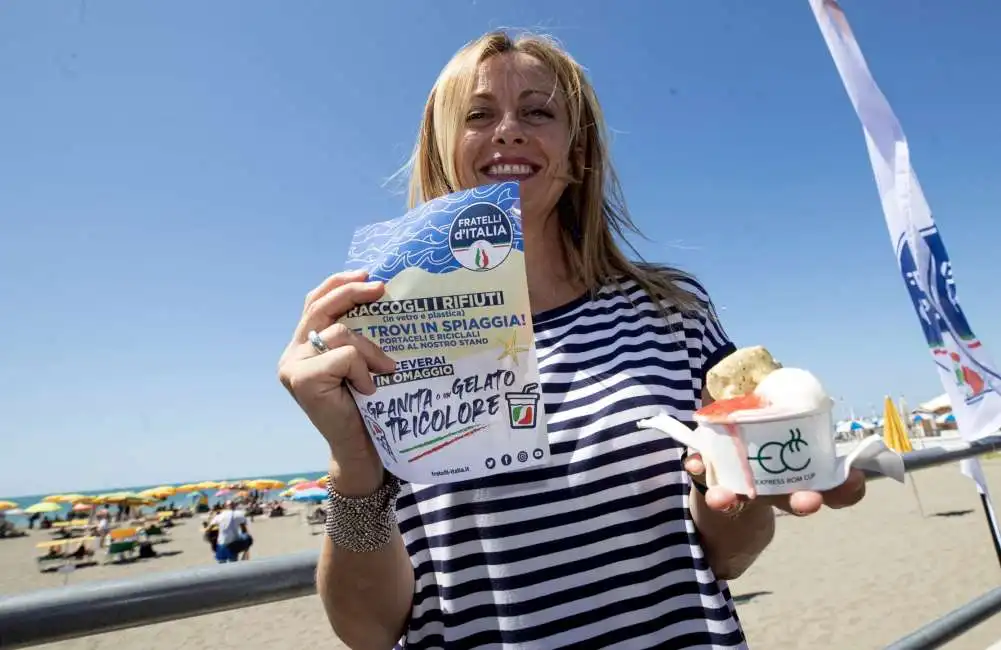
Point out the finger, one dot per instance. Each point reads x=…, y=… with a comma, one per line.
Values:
x=721, y=499
x=339, y=335
x=327, y=309
x=694, y=464
x=333, y=281
x=848, y=493
x=805, y=502
x=341, y=364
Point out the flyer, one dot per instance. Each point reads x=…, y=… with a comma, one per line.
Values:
x=464, y=400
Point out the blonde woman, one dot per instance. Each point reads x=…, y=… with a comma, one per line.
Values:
x=613, y=544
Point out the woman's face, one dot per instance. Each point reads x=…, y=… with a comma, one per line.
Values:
x=517, y=129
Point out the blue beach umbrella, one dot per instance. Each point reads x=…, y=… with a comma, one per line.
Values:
x=310, y=495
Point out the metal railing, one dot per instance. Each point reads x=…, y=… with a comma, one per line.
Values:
x=84, y=609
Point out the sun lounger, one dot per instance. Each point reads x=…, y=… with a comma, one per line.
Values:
x=122, y=550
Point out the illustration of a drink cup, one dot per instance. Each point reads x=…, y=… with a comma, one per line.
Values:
x=522, y=407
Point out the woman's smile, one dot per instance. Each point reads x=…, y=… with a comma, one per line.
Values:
x=509, y=169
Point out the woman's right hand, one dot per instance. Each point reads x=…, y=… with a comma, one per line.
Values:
x=318, y=382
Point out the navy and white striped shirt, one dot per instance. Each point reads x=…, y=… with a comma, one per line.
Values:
x=597, y=550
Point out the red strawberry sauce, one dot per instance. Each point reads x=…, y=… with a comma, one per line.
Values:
x=719, y=410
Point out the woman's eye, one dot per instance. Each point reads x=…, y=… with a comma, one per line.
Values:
x=475, y=115
x=539, y=113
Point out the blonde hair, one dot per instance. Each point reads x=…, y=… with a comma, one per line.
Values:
x=592, y=211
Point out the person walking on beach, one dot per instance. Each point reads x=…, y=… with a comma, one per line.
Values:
x=617, y=541
x=233, y=540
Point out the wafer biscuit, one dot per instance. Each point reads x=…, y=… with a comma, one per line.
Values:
x=740, y=372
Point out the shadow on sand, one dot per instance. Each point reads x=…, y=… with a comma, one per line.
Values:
x=749, y=596
x=953, y=513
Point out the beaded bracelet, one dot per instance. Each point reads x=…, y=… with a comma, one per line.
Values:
x=363, y=524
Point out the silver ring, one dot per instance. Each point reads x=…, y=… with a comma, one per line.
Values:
x=317, y=342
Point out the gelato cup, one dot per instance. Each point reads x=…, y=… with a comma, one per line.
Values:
x=777, y=439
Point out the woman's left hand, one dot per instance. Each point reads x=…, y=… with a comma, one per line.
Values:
x=802, y=503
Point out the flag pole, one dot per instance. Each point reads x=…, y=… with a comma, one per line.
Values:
x=992, y=524
x=917, y=497
x=972, y=468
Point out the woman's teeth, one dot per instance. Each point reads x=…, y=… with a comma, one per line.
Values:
x=510, y=170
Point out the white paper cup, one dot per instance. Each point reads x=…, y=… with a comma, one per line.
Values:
x=777, y=455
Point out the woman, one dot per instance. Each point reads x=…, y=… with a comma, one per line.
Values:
x=609, y=545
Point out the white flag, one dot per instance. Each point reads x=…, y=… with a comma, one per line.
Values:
x=969, y=375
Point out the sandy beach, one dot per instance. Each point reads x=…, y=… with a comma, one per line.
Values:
x=856, y=579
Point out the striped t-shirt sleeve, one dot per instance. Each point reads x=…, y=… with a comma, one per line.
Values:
x=714, y=343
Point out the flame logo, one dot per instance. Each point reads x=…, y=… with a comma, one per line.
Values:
x=482, y=259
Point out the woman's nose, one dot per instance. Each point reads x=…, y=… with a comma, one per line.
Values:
x=509, y=131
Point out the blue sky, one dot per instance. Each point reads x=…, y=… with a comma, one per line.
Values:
x=175, y=176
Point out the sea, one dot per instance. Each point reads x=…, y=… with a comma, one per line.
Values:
x=179, y=500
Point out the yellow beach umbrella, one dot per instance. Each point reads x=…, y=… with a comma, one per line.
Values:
x=7, y=505
x=894, y=433
x=297, y=481
x=896, y=438
x=158, y=493
x=67, y=498
x=323, y=480
x=120, y=497
x=186, y=488
x=265, y=484
x=44, y=506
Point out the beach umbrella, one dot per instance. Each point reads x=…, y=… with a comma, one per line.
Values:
x=311, y=495
x=44, y=506
x=297, y=481
x=66, y=498
x=324, y=480
x=265, y=484
x=894, y=432
x=161, y=493
x=849, y=426
x=116, y=497
x=7, y=505
x=16, y=512
x=82, y=507
x=896, y=438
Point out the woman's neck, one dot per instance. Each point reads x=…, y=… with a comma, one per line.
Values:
x=550, y=283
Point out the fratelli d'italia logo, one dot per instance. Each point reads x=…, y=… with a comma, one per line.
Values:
x=481, y=236
x=953, y=344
